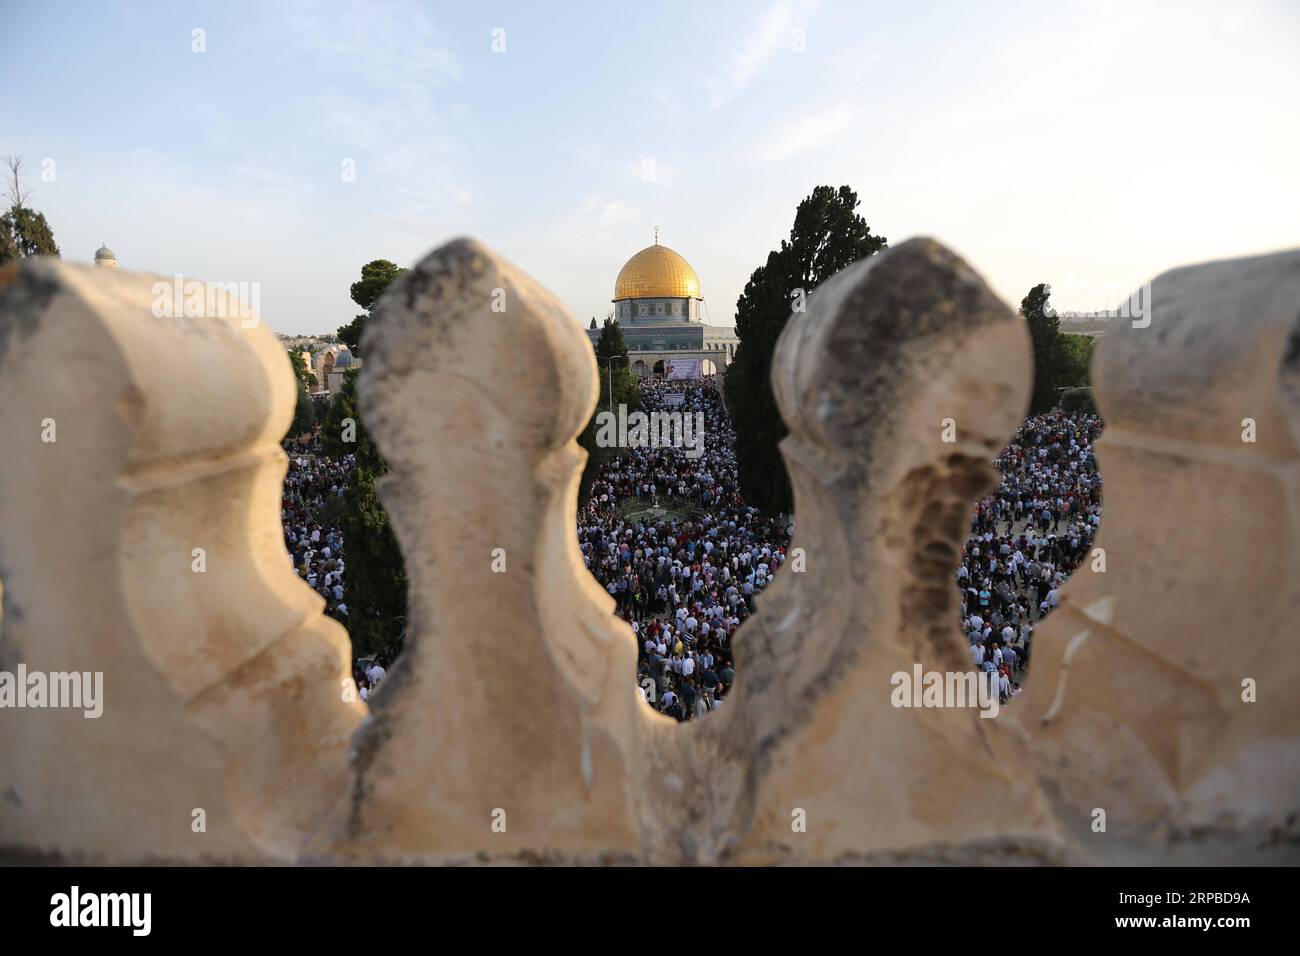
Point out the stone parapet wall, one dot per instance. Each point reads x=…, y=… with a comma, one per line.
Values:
x=510, y=731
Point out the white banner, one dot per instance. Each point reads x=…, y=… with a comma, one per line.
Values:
x=682, y=368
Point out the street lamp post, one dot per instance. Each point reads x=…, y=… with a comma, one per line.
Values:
x=609, y=364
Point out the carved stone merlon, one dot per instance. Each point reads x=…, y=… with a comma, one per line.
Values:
x=140, y=539
x=1164, y=688
x=511, y=725
x=894, y=354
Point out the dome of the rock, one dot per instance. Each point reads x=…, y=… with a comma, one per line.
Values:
x=657, y=272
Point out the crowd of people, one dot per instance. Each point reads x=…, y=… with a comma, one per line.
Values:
x=670, y=537
x=313, y=535
x=673, y=542
x=310, y=511
x=1027, y=538
x=684, y=576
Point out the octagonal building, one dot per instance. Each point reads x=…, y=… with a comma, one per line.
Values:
x=657, y=302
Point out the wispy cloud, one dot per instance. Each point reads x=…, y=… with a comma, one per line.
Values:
x=389, y=114
x=594, y=215
x=808, y=132
x=774, y=32
x=387, y=43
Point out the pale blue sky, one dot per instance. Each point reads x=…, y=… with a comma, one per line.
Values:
x=1090, y=145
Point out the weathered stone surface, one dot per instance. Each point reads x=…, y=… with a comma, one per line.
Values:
x=889, y=349
x=222, y=690
x=515, y=692
x=1136, y=706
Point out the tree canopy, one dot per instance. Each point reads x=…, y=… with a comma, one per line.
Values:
x=376, y=276
x=611, y=362
x=375, y=586
x=1061, y=360
x=828, y=234
x=301, y=371
x=610, y=344
x=23, y=231
x=304, y=414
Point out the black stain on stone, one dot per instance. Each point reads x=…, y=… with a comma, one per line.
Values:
x=23, y=298
x=1291, y=358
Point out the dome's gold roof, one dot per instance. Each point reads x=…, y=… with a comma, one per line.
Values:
x=657, y=272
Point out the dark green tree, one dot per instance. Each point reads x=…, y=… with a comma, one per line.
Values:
x=828, y=234
x=341, y=428
x=612, y=364
x=1050, y=356
x=376, y=276
x=304, y=413
x=350, y=334
x=23, y=231
x=374, y=586
x=610, y=344
x=301, y=371
x=611, y=356
x=1077, y=351
x=1078, y=400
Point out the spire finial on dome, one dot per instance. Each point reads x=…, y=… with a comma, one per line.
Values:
x=656, y=235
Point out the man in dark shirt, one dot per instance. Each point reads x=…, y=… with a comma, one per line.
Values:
x=689, y=693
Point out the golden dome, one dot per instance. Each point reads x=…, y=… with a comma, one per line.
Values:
x=656, y=272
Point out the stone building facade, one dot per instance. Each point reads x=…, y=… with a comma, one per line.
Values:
x=657, y=303
x=331, y=365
